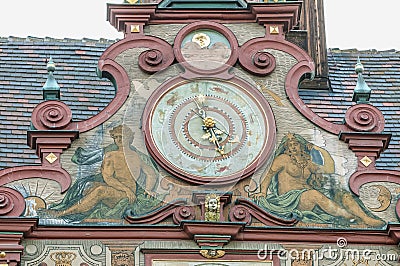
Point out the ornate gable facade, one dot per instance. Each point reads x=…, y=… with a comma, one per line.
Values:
x=206, y=154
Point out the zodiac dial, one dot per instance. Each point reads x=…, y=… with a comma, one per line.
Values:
x=209, y=131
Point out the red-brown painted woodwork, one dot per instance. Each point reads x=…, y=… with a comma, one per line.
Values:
x=177, y=209
x=212, y=234
x=10, y=243
x=56, y=131
x=364, y=118
x=390, y=236
x=51, y=115
x=245, y=209
x=121, y=16
x=366, y=144
x=12, y=203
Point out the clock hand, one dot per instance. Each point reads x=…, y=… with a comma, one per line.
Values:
x=200, y=99
x=214, y=138
x=234, y=139
x=209, y=126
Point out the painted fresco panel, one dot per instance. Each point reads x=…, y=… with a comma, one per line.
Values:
x=114, y=174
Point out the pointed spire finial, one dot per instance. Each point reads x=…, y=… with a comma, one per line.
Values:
x=51, y=89
x=362, y=92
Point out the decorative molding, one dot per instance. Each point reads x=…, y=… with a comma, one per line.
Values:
x=12, y=203
x=110, y=69
x=366, y=144
x=176, y=209
x=199, y=198
x=121, y=16
x=364, y=118
x=211, y=234
x=59, y=175
x=221, y=71
x=254, y=58
x=13, y=230
x=52, y=115
x=50, y=141
x=361, y=178
x=245, y=209
x=388, y=236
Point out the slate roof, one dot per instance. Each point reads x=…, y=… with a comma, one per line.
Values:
x=23, y=73
x=382, y=74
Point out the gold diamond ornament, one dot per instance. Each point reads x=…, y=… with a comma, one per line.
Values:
x=51, y=158
x=274, y=29
x=366, y=161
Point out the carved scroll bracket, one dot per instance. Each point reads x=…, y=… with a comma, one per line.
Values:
x=49, y=144
x=244, y=210
x=367, y=146
x=177, y=209
x=212, y=235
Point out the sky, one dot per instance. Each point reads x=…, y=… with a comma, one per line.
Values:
x=360, y=24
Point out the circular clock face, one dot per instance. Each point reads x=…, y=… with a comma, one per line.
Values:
x=209, y=131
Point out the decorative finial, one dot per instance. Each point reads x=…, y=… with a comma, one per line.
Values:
x=362, y=92
x=51, y=89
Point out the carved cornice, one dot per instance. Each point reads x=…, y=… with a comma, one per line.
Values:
x=50, y=140
x=366, y=143
x=121, y=16
x=211, y=234
x=13, y=230
x=388, y=236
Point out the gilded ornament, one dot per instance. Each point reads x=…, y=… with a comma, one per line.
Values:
x=212, y=253
x=366, y=161
x=273, y=29
x=51, y=157
x=201, y=39
x=63, y=258
x=135, y=28
x=212, y=208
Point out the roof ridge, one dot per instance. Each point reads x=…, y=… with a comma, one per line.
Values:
x=366, y=51
x=51, y=39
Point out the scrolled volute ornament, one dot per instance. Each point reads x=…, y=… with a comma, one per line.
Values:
x=263, y=60
x=51, y=115
x=183, y=213
x=259, y=63
x=240, y=214
x=12, y=203
x=153, y=60
x=365, y=118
